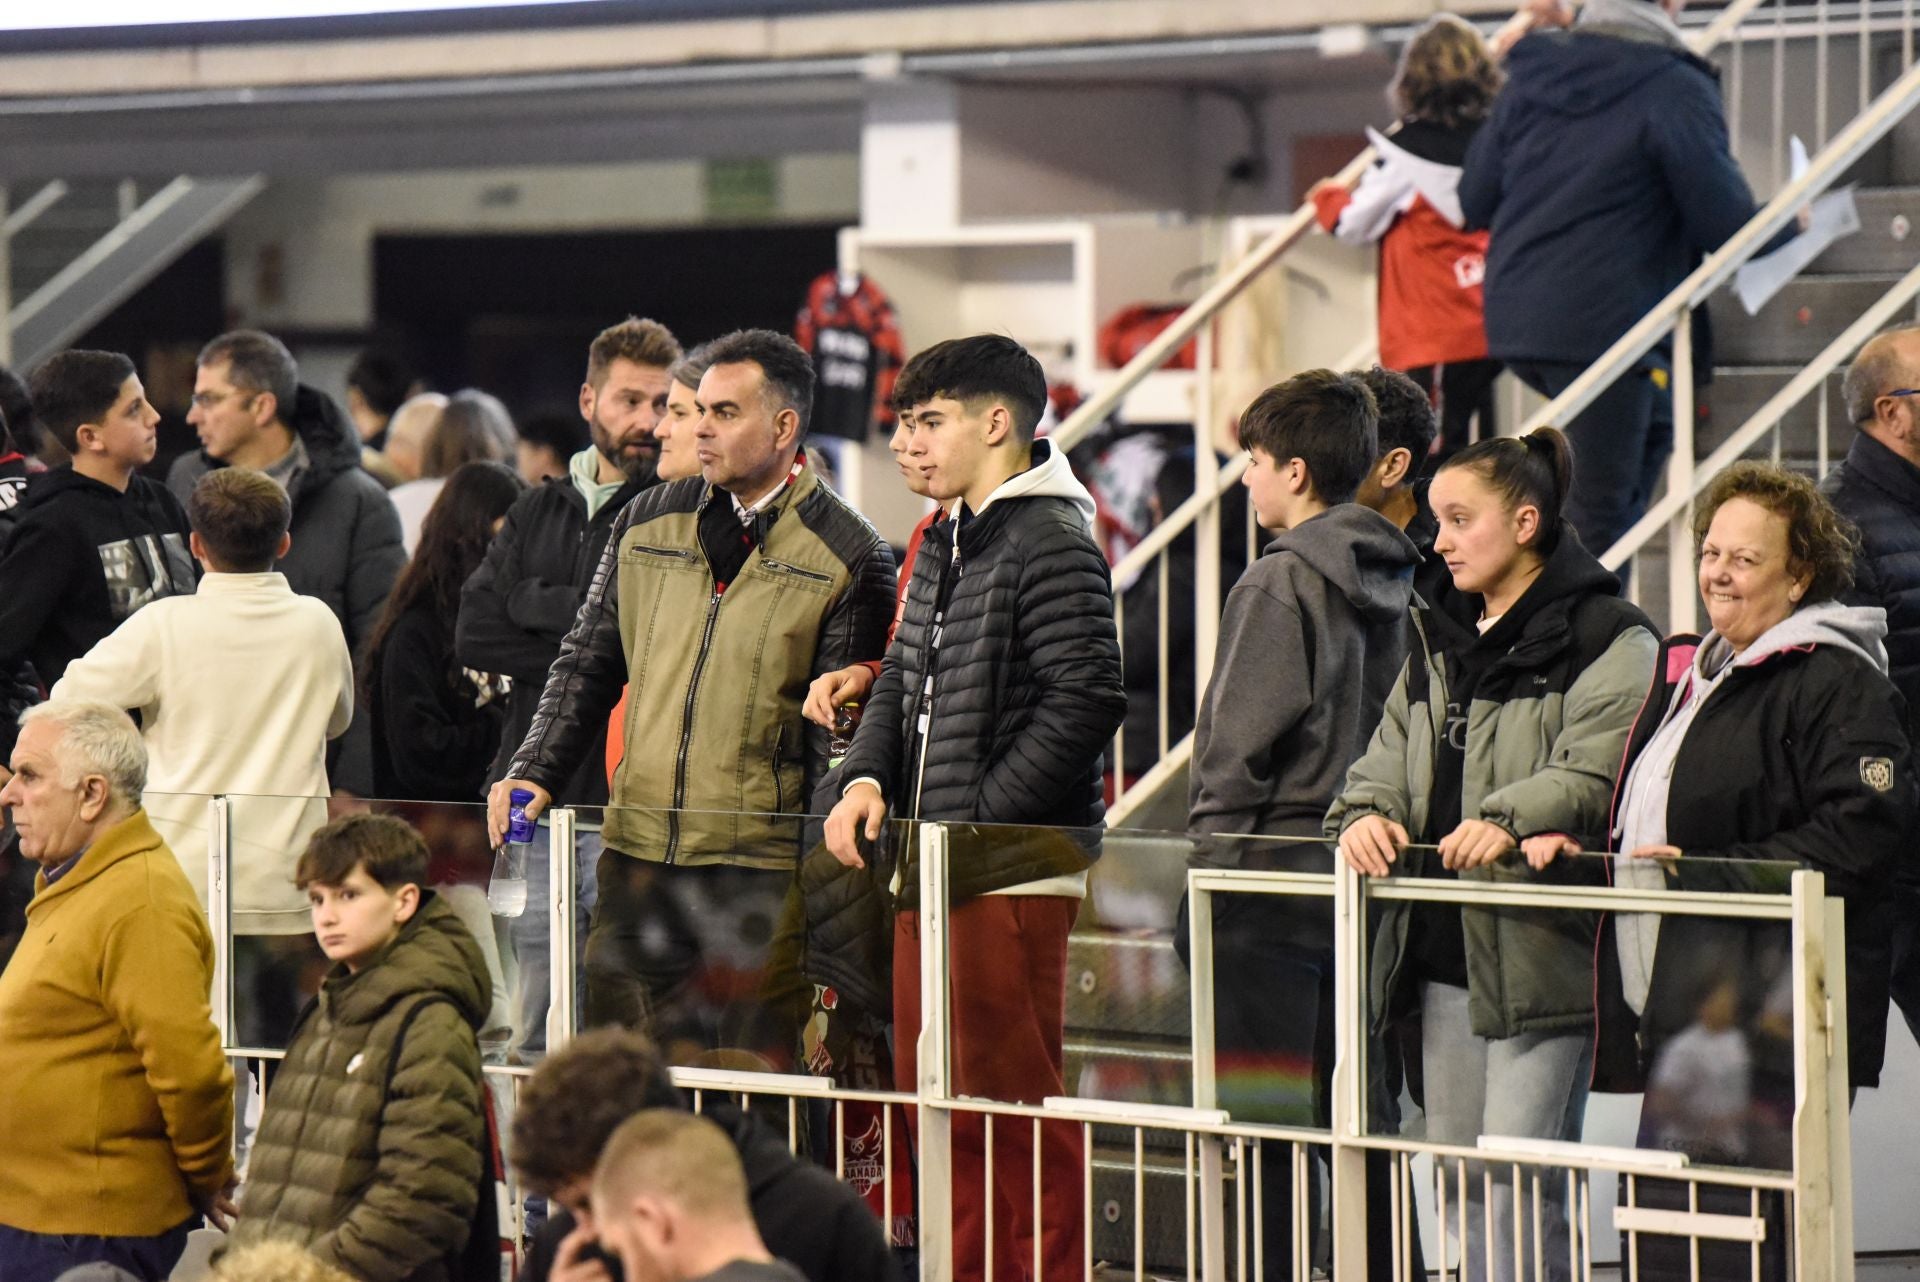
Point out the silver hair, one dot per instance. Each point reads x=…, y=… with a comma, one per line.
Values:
x=97, y=738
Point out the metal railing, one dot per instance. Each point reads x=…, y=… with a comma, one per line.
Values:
x=1181, y=1189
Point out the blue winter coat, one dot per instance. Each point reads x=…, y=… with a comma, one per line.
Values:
x=1879, y=491
x=1603, y=175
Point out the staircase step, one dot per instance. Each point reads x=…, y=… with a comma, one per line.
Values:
x=1796, y=323
x=1737, y=392
x=1117, y=984
x=1888, y=239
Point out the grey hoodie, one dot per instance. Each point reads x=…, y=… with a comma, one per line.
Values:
x=1312, y=639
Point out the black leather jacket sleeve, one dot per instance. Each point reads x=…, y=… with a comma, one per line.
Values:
x=585, y=681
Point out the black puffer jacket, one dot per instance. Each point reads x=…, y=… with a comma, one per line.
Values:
x=1879, y=491
x=346, y=547
x=522, y=601
x=1023, y=677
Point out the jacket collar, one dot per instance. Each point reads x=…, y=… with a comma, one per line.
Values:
x=803, y=483
x=1880, y=467
x=132, y=836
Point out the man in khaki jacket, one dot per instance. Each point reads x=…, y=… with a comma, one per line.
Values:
x=716, y=604
x=116, y=1105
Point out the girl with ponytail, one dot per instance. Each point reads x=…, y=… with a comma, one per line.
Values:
x=1507, y=722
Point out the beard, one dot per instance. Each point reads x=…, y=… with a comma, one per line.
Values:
x=639, y=465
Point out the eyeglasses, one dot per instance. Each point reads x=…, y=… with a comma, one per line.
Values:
x=207, y=400
x=1901, y=391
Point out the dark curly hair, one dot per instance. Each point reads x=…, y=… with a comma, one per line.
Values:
x=1820, y=541
x=578, y=1098
x=1446, y=75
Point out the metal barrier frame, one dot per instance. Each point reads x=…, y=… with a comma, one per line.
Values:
x=1820, y=1183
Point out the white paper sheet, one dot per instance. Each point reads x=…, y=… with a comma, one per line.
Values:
x=1834, y=216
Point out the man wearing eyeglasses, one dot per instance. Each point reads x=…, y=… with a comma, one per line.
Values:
x=251, y=410
x=1878, y=489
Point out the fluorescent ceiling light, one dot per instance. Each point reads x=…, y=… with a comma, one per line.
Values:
x=128, y=13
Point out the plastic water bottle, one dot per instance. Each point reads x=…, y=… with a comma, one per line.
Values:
x=507, y=889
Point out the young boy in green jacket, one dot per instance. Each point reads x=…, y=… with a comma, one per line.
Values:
x=370, y=1150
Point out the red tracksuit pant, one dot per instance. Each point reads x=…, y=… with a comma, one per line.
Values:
x=1009, y=961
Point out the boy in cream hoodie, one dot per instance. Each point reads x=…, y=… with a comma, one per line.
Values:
x=238, y=688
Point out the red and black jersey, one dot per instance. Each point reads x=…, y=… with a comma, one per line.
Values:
x=848, y=326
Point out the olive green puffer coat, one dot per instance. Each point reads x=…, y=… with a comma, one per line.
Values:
x=369, y=1151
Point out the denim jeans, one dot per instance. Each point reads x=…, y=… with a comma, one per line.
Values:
x=532, y=933
x=1532, y=1086
x=43, y=1257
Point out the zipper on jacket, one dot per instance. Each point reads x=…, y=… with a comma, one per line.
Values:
x=782, y=567
x=686, y=722
x=677, y=554
x=923, y=699
x=779, y=793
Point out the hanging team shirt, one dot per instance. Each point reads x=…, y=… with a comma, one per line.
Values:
x=848, y=326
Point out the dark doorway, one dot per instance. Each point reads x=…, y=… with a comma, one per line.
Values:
x=513, y=314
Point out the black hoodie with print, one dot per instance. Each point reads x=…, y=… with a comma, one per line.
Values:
x=82, y=557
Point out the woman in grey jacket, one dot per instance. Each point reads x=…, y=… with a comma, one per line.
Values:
x=1508, y=721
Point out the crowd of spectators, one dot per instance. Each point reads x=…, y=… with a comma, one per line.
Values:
x=666, y=619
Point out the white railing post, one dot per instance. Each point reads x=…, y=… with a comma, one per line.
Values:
x=1212, y=1207
x=220, y=915
x=1822, y=1193
x=563, y=869
x=1349, y=1121
x=934, y=1083
x=1681, y=596
x=1206, y=540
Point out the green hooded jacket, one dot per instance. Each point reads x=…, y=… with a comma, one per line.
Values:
x=370, y=1150
x=1544, y=734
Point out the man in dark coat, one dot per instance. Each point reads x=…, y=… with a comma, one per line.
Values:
x=520, y=604
x=251, y=410
x=995, y=703
x=1604, y=174
x=1878, y=489
x=581, y=1093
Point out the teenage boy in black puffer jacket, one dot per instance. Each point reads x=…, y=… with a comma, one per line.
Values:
x=995, y=703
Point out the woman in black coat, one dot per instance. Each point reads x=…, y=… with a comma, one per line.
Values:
x=435, y=724
x=1774, y=742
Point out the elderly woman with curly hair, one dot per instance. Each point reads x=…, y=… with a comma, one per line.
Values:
x=1777, y=737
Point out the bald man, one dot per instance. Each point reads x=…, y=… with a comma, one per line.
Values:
x=1878, y=489
x=670, y=1200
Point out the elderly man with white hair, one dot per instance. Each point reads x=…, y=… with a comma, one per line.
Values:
x=116, y=1104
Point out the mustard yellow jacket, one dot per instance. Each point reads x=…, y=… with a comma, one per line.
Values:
x=116, y=1104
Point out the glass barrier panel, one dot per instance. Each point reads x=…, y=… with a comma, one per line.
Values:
x=278, y=964
x=1669, y=1033
x=740, y=944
